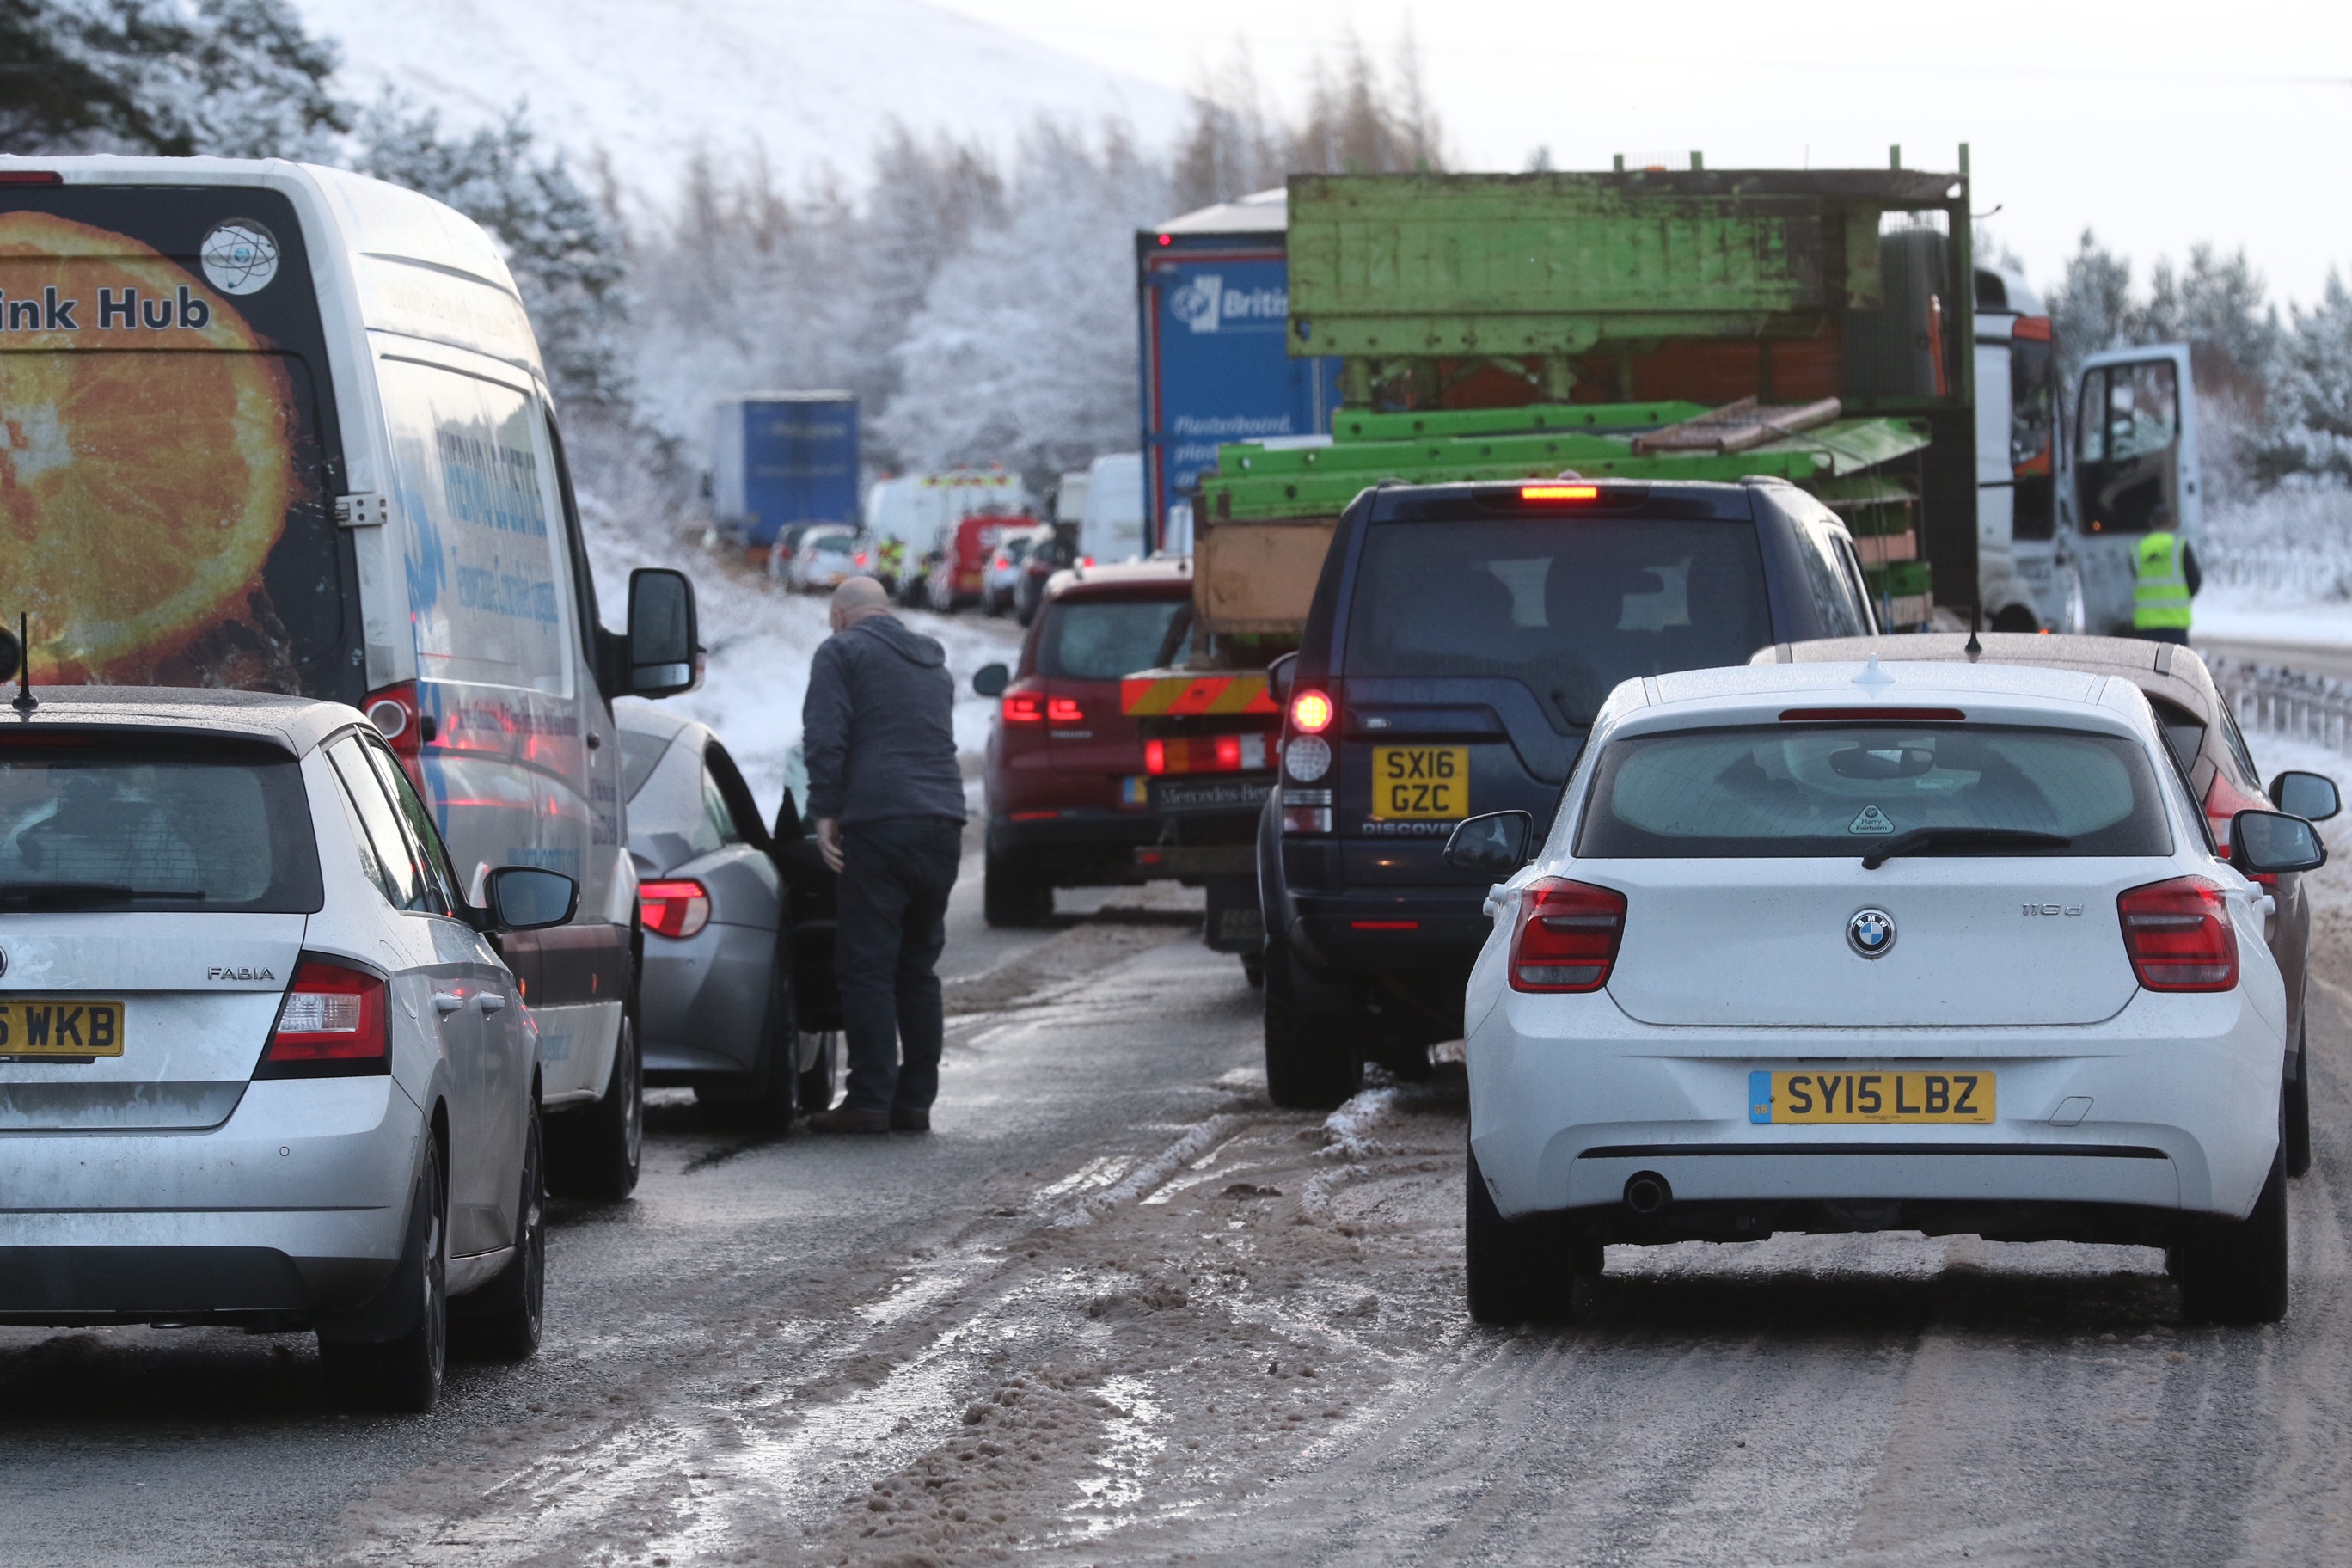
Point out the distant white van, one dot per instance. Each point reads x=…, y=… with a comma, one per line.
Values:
x=921, y=511
x=1112, y=527
x=278, y=428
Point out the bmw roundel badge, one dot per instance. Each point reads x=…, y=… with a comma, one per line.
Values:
x=1870, y=933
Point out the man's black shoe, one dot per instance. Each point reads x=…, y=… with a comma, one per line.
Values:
x=904, y=1119
x=842, y=1118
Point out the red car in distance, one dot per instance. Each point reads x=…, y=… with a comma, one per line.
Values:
x=1067, y=780
x=954, y=578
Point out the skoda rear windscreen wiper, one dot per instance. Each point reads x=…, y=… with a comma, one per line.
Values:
x=91, y=893
x=1928, y=839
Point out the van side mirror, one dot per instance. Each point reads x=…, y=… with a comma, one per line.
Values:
x=991, y=679
x=2312, y=796
x=1278, y=677
x=1495, y=844
x=525, y=898
x=665, y=643
x=2270, y=843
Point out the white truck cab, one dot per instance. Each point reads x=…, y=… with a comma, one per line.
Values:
x=273, y=427
x=2059, y=520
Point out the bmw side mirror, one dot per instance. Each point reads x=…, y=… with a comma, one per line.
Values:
x=991, y=679
x=665, y=643
x=2270, y=843
x=2312, y=796
x=1278, y=676
x=524, y=898
x=1495, y=845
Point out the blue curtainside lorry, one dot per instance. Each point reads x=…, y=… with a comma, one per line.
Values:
x=784, y=457
x=1212, y=295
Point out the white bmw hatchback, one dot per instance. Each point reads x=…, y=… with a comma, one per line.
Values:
x=1831, y=948
x=260, y=1064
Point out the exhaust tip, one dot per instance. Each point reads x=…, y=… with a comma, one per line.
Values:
x=1646, y=1193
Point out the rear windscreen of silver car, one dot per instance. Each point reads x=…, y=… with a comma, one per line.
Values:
x=139, y=824
x=1795, y=789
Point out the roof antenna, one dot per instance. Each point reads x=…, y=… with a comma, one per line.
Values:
x=23, y=701
x=1973, y=648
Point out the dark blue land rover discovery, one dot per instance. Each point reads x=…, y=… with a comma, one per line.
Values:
x=1462, y=638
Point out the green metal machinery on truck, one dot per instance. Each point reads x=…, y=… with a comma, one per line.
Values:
x=1640, y=324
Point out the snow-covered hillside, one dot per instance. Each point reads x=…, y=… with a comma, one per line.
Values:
x=811, y=84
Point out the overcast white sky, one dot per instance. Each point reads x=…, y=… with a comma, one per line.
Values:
x=2157, y=123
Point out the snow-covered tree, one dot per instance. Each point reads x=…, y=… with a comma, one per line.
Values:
x=235, y=77
x=1356, y=121
x=566, y=249
x=1024, y=352
x=2310, y=430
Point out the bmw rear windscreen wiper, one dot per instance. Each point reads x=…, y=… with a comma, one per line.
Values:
x=1932, y=838
x=91, y=893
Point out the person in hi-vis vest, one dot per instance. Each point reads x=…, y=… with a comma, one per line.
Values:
x=2169, y=579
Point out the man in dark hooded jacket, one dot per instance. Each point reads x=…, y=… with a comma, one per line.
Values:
x=879, y=731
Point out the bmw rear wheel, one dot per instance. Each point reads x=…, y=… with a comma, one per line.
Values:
x=1518, y=1270
x=2235, y=1271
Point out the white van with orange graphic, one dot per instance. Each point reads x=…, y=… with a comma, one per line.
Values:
x=268, y=427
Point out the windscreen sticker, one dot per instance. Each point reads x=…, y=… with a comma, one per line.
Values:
x=240, y=256
x=1872, y=820
x=141, y=494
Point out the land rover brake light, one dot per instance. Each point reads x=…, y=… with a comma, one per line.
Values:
x=1567, y=936
x=1311, y=712
x=2179, y=935
x=330, y=1024
x=1560, y=492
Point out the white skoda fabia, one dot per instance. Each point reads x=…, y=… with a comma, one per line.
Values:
x=259, y=1065
x=1829, y=948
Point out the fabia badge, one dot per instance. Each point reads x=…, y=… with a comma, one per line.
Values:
x=1870, y=933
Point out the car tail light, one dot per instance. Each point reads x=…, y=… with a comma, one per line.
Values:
x=675, y=909
x=405, y=728
x=31, y=177
x=1023, y=708
x=1063, y=711
x=1567, y=936
x=332, y=1024
x=2179, y=935
x=1002, y=563
x=1311, y=712
x=2224, y=801
x=1560, y=492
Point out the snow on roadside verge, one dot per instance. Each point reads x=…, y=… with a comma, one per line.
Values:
x=760, y=640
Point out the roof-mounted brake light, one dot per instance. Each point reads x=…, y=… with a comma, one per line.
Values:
x=1560, y=492
x=31, y=177
x=1872, y=716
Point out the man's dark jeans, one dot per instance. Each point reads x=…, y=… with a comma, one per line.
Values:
x=895, y=880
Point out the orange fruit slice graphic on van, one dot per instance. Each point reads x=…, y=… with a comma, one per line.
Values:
x=146, y=460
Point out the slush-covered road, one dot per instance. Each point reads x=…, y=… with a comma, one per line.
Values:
x=1118, y=1308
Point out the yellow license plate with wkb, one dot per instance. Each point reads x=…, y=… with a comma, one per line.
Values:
x=1420, y=783
x=1846, y=1096
x=36, y=1027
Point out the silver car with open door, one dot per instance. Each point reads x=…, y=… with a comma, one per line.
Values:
x=737, y=994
